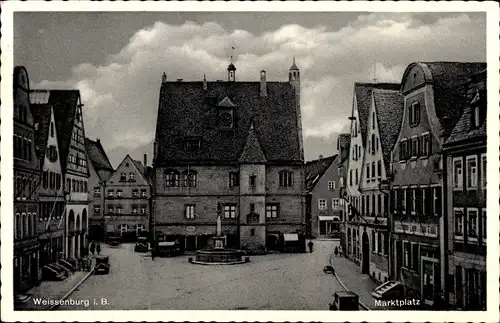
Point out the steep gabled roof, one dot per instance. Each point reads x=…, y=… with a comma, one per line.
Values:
x=41, y=117
x=187, y=110
x=344, y=143
x=64, y=104
x=252, y=152
x=363, y=93
x=463, y=130
x=315, y=169
x=449, y=82
x=97, y=155
x=389, y=106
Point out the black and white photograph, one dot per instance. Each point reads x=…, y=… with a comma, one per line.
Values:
x=245, y=161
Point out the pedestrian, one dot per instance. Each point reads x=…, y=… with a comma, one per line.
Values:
x=92, y=248
x=98, y=248
x=310, y=245
x=341, y=251
x=336, y=252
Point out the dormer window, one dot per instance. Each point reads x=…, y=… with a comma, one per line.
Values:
x=172, y=178
x=478, y=109
x=193, y=144
x=189, y=178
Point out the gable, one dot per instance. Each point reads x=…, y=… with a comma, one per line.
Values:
x=128, y=166
x=52, y=155
x=226, y=102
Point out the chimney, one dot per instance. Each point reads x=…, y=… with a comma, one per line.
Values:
x=98, y=140
x=263, y=84
x=164, y=78
x=145, y=160
x=320, y=157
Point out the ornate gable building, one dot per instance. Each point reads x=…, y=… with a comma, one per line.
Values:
x=233, y=144
x=67, y=108
x=434, y=95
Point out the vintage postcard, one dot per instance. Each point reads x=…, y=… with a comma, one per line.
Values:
x=250, y=161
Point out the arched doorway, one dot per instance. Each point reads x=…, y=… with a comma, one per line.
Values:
x=349, y=243
x=83, y=244
x=365, y=249
x=70, y=233
x=272, y=241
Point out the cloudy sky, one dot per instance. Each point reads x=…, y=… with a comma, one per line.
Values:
x=116, y=60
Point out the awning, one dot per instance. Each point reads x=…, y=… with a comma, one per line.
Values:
x=166, y=244
x=328, y=218
x=291, y=237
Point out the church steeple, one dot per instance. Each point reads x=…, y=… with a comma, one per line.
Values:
x=231, y=70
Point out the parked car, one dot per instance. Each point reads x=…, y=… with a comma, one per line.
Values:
x=102, y=265
x=68, y=264
x=114, y=241
x=72, y=261
x=61, y=268
x=345, y=301
x=142, y=245
x=49, y=273
x=168, y=249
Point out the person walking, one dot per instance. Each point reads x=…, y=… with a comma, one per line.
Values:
x=341, y=251
x=92, y=248
x=336, y=252
x=98, y=248
x=310, y=245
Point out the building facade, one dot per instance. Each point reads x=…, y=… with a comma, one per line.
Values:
x=323, y=203
x=51, y=189
x=362, y=99
x=465, y=194
x=126, y=206
x=26, y=180
x=433, y=99
x=233, y=144
x=343, y=149
x=100, y=170
x=384, y=120
x=70, y=129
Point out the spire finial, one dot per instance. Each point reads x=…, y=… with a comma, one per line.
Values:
x=293, y=59
x=232, y=54
x=375, y=72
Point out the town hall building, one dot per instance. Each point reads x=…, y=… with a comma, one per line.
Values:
x=231, y=148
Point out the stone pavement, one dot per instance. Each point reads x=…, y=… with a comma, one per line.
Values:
x=54, y=290
x=350, y=276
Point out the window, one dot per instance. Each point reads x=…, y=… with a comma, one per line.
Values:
x=230, y=211
x=131, y=177
x=193, y=144
x=406, y=256
x=414, y=114
x=386, y=244
x=97, y=209
x=119, y=193
x=111, y=209
x=414, y=147
x=189, y=211
x=252, y=207
x=111, y=193
x=425, y=146
x=251, y=180
x=58, y=181
x=143, y=192
x=373, y=170
x=123, y=177
x=234, y=179
x=437, y=201
x=341, y=182
x=357, y=177
x=252, y=232
x=139, y=228
x=402, y=149
x=368, y=173
x=379, y=169
x=143, y=209
x=123, y=228
x=373, y=205
x=374, y=239
x=45, y=179
x=350, y=177
x=475, y=117
x=457, y=173
x=472, y=219
x=135, y=209
x=471, y=172
x=119, y=209
x=272, y=211
x=68, y=184
x=379, y=242
x=483, y=225
x=459, y=223
x=172, y=178
x=322, y=204
x=97, y=191
x=373, y=120
x=483, y=171
x=135, y=192
x=373, y=143
x=52, y=130
x=335, y=203
x=379, y=204
x=286, y=178
x=331, y=185
x=189, y=178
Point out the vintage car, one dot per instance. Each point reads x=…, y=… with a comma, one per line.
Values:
x=142, y=245
x=345, y=301
x=49, y=273
x=114, y=241
x=60, y=268
x=168, y=249
x=102, y=265
x=68, y=264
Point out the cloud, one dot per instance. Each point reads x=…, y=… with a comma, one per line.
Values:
x=121, y=96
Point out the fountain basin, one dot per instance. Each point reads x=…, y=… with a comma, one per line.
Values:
x=219, y=257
